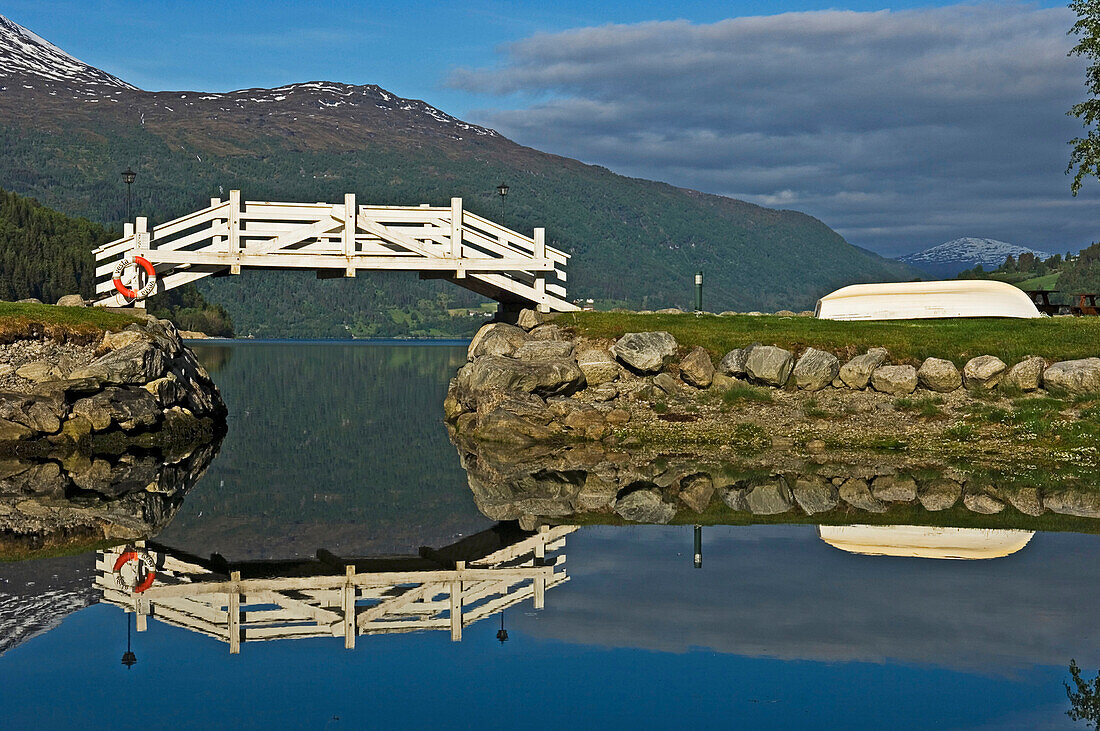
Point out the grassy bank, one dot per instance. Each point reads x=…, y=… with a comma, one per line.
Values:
x=909, y=341
x=81, y=324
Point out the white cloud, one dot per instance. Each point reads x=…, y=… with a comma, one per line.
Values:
x=899, y=129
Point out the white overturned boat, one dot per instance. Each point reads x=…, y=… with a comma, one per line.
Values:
x=921, y=300
x=920, y=541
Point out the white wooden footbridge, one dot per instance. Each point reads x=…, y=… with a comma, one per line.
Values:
x=345, y=598
x=335, y=240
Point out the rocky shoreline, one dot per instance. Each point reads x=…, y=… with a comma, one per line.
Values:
x=139, y=386
x=534, y=381
x=101, y=433
x=593, y=483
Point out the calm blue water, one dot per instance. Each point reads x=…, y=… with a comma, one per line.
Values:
x=341, y=447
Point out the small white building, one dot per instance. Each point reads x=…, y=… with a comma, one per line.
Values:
x=921, y=300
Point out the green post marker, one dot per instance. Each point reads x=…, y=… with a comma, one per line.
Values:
x=699, y=291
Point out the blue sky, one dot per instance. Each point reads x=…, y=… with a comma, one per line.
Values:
x=900, y=129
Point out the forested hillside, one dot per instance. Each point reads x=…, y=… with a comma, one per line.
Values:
x=46, y=255
x=1068, y=275
x=65, y=138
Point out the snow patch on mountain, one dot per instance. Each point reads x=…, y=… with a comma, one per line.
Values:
x=25, y=54
x=966, y=253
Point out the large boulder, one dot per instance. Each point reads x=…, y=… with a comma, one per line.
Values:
x=71, y=300
x=1074, y=376
x=980, y=502
x=815, y=494
x=39, y=371
x=769, y=498
x=1027, y=375
x=598, y=366
x=696, y=491
x=501, y=425
x=544, y=350
x=587, y=422
x=894, y=488
x=1082, y=503
x=137, y=363
x=128, y=407
x=856, y=492
x=895, y=380
x=939, y=494
x=856, y=373
x=546, y=332
x=646, y=352
x=559, y=377
x=38, y=412
x=733, y=362
x=696, y=368
x=769, y=365
x=496, y=338
x=120, y=339
x=529, y=319
x=645, y=506
x=937, y=374
x=985, y=372
x=815, y=369
x=1025, y=499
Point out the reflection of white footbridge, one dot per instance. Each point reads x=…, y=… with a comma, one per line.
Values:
x=195, y=595
x=337, y=240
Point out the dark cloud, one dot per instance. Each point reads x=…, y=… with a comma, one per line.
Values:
x=899, y=129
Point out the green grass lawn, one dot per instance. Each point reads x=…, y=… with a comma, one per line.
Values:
x=60, y=323
x=910, y=341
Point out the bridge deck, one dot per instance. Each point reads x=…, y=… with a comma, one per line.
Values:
x=340, y=240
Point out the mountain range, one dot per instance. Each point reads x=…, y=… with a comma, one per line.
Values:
x=68, y=129
x=950, y=258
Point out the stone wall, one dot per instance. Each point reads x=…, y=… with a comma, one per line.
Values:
x=539, y=484
x=533, y=381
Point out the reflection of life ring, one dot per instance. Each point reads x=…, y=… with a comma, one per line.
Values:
x=145, y=291
x=145, y=572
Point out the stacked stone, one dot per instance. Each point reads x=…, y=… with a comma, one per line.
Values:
x=517, y=484
x=529, y=382
x=140, y=379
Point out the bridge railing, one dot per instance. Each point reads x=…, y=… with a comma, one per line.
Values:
x=190, y=593
x=339, y=240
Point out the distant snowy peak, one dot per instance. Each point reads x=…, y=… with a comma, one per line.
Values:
x=24, y=54
x=966, y=253
x=315, y=96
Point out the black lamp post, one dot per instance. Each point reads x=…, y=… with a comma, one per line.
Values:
x=128, y=177
x=129, y=659
x=502, y=634
x=502, y=190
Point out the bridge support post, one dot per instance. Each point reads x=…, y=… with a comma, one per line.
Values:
x=456, y=605
x=455, y=247
x=142, y=243
x=235, y=230
x=348, y=602
x=350, y=212
x=540, y=277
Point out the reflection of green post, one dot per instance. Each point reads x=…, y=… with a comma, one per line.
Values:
x=699, y=291
x=698, y=546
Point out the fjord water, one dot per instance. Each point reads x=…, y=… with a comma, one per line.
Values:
x=342, y=447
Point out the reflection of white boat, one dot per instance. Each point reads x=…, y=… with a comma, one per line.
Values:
x=924, y=541
x=918, y=300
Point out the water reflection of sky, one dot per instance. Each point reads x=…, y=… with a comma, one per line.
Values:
x=776, y=629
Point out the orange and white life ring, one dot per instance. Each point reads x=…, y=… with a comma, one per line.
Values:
x=150, y=273
x=144, y=573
